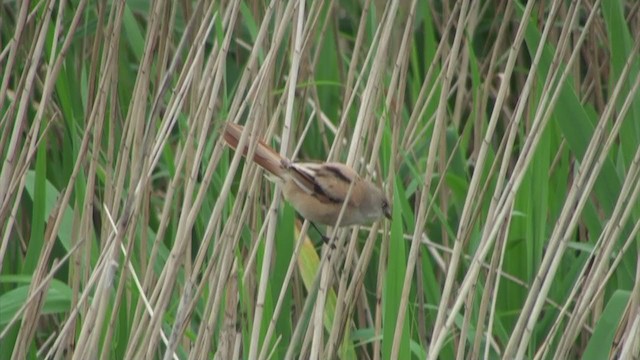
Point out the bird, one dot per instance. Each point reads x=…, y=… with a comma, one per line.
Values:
x=317, y=190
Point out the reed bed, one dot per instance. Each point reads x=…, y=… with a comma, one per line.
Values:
x=506, y=133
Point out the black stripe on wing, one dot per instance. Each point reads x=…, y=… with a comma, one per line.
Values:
x=305, y=178
x=338, y=173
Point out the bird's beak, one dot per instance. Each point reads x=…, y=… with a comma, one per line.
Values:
x=387, y=213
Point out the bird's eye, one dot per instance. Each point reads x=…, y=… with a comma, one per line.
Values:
x=386, y=210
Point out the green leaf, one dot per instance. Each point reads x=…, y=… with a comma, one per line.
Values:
x=601, y=342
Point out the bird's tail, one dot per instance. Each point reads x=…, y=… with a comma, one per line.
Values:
x=265, y=156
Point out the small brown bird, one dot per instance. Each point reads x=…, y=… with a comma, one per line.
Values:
x=318, y=190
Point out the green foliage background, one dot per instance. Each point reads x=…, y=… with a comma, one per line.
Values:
x=506, y=133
